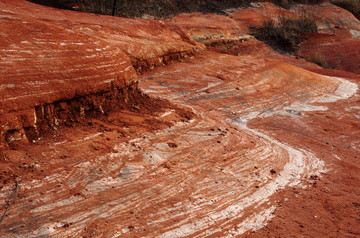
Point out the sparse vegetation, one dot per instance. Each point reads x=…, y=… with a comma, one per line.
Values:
x=320, y=60
x=159, y=8
x=288, y=3
x=287, y=34
x=138, y=8
x=350, y=5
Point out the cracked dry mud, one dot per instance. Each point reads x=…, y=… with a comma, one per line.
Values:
x=212, y=145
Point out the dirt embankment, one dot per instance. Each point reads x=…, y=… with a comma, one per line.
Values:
x=115, y=127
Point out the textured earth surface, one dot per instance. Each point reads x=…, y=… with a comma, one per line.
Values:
x=333, y=51
x=260, y=12
x=185, y=127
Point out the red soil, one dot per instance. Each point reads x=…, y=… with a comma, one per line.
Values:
x=332, y=19
x=237, y=140
x=329, y=207
x=48, y=57
x=328, y=204
x=255, y=16
x=217, y=27
x=336, y=51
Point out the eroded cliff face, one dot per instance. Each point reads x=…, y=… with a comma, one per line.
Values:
x=115, y=127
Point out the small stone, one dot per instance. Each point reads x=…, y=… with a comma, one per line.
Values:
x=172, y=144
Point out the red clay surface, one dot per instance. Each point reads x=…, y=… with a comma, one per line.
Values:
x=295, y=123
x=208, y=28
x=260, y=12
x=336, y=51
x=332, y=19
x=235, y=141
x=51, y=55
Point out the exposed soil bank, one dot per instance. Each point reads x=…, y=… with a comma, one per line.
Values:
x=79, y=111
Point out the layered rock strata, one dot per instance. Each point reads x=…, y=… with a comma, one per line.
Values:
x=253, y=128
x=50, y=55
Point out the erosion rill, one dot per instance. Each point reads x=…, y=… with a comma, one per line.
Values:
x=179, y=127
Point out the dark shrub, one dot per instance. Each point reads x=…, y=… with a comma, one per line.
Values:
x=287, y=34
x=288, y=3
x=350, y=5
x=320, y=60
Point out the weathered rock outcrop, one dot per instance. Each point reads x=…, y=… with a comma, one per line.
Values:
x=338, y=31
x=333, y=20
x=43, y=63
x=332, y=51
x=337, y=46
x=51, y=55
x=209, y=28
x=233, y=139
x=213, y=171
x=260, y=12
